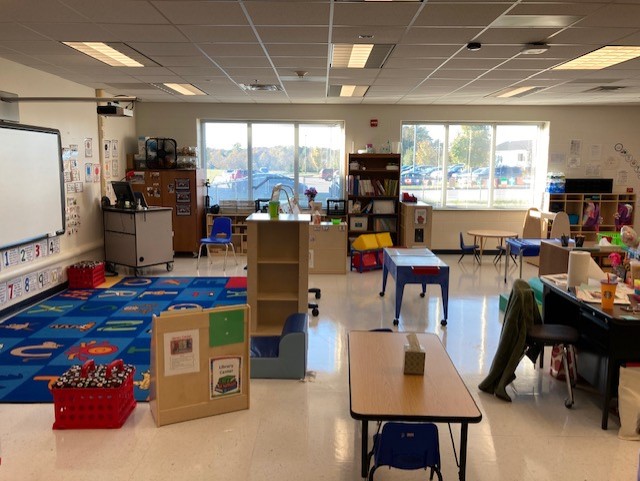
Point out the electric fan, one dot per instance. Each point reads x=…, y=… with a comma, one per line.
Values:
x=161, y=153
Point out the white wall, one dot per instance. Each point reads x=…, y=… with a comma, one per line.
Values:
x=594, y=126
x=76, y=122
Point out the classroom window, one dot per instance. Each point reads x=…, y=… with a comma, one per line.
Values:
x=245, y=160
x=470, y=165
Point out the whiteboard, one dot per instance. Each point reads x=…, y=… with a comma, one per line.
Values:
x=31, y=184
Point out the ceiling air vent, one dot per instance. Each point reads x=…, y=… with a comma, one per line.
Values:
x=605, y=88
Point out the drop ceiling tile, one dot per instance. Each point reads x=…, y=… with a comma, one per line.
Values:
x=613, y=15
x=152, y=49
x=72, y=59
x=117, y=11
x=440, y=35
x=384, y=35
x=50, y=11
x=211, y=70
x=473, y=63
x=298, y=49
x=516, y=35
x=425, y=51
x=536, y=7
x=145, y=33
x=279, y=13
x=592, y=36
x=243, y=62
x=360, y=14
x=457, y=74
x=216, y=50
x=213, y=34
x=508, y=74
x=491, y=51
x=400, y=82
x=531, y=62
x=13, y=31
x=182, y=61
x=300, y=63
x=447, y=15
x=293, y=34
x=424, y=63
x=44, y=47
x=202, y=13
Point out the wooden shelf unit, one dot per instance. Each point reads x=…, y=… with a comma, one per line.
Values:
x=238, y=232
x=373, y=182
x=575, y=205
x=278, y=269
x=415, y=230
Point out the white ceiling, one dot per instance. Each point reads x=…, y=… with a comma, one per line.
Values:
x=217, y=45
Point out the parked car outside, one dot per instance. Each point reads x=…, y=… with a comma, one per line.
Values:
x=327, y=174
x=412, y=178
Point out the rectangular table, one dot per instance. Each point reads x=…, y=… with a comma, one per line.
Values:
x=610, y=336
x=379, y=391
x=521, y=248
x=415, y=266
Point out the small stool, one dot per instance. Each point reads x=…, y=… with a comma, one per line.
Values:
x=549, y=335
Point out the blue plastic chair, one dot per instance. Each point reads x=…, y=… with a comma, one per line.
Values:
x=221, y=236
x=407, y=446
x=468, y=249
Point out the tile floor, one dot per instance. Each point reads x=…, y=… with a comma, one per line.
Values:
x=301, y=430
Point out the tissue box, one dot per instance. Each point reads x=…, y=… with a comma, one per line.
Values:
x=413, y=361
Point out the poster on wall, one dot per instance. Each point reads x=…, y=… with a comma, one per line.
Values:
x=106, y=148
x=224, y=373
x=114, y=149
x=181, y=352
x=88, y=147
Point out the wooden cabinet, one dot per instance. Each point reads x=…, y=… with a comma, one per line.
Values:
x=580, y=207
x=277, y=269
x=238, y=232
x=372, y=187
x=183, y=191
x=327, y=248
x=415, y=224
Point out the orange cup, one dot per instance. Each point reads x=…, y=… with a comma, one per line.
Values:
x=608, y=291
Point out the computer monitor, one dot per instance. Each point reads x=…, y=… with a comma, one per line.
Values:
x=124, y=193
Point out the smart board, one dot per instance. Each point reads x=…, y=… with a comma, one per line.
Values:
x=31, y=184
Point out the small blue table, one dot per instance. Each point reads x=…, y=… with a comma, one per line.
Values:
x=521, y=248
x=415, y=266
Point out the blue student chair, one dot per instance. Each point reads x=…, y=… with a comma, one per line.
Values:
x=220, y=236
x=407, y=446
x=468, y=249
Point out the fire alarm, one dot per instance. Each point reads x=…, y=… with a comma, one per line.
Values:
x=373, y=122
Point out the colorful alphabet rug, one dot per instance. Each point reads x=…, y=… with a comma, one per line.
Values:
x=43, y=341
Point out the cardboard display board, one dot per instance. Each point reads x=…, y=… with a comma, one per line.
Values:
x=199, y=363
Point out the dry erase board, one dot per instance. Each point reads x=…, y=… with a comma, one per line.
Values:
x=31, y=184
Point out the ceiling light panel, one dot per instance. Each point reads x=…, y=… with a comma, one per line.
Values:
x=601, y=58
x=347, y=90
x=539, y=21
x=185, y=89
x=115, y=54
x=516, y=91
x=359, y=55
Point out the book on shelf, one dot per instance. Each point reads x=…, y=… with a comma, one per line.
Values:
x=385, y=224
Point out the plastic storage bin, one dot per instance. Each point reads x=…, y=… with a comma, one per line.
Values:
x=87, y=274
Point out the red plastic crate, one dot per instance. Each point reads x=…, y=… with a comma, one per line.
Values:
x=86, y=275
x=94, y=407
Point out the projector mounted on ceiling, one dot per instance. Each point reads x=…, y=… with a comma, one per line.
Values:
x=113, y=109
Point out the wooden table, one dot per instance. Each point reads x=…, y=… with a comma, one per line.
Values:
x=415, y=266
x=480, y=237
x=379, y=391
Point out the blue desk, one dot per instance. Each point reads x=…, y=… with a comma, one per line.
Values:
x=521, y=248
x=415, y=266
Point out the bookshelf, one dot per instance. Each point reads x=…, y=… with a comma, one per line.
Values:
x=277, y=270
x=373, y=184
x=576, y=205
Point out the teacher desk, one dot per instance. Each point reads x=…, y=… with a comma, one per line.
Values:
x=608, y=338
x=415, y=266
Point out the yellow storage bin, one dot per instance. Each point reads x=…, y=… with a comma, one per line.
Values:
x=365, y=242
x=384, y=239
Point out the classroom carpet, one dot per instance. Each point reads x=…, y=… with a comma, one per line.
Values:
x=42, y=342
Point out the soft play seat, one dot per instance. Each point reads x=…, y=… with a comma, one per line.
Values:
x=283, y=356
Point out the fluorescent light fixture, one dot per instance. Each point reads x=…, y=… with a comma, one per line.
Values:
x=535, y=48
x=104, y=53
x=361, y=55
x=185, y=89
x=602, y=58
x=516, y=91
x=347, y=90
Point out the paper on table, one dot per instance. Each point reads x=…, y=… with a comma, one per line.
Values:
x=591, y=293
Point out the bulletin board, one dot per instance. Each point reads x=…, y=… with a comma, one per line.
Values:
x=199, y=363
